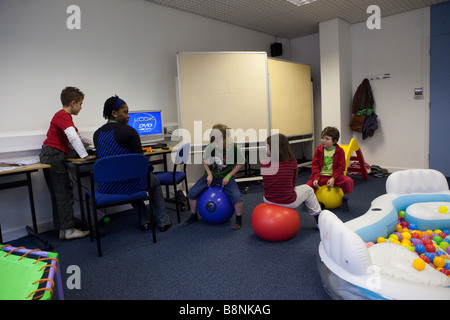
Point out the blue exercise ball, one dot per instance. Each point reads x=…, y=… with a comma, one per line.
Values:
x=214, y=206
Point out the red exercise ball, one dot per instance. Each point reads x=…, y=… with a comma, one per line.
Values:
x=275, y=223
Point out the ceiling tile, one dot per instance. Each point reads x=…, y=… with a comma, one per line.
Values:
x=286, y=20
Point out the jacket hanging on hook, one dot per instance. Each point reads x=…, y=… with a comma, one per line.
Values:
x=364, y=118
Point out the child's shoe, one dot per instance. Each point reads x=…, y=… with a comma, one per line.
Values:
x=238, y=223
x=316, y=217
x=193, y=218
x=72, y=233
x=344, y=206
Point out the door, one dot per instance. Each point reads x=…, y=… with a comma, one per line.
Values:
x=440, y=98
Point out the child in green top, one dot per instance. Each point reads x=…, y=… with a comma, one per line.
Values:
x=328, y=165
x=222, y=159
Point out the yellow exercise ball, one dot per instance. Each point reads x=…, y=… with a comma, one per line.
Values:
x=330, y=197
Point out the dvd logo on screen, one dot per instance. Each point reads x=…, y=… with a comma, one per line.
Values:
x=145, y=124
x=144, y=119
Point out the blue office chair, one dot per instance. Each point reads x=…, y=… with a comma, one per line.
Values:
x=174, y=177
x=120, y=179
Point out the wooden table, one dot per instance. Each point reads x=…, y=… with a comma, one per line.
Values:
x=25, y=182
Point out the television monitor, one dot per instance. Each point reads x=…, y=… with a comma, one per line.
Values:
x=148, y=124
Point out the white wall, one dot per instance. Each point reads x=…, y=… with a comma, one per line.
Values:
x=306, y=50
x=335, y=73
x=401, y=48
x=124, y=47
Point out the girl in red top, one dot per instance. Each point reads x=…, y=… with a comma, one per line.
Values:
x=280, y=174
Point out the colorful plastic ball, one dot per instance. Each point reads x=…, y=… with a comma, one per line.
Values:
x=406, y=241
x=445, y=271
x=381, y=240
x=402, y=214
x=214, y=206
x=446, y=231
x=406, y=235
x=412, y=226
x=425, y=258
x=369, y=244
x=420, y=248
x=419, y=264
x=106, y=219
x=443, y=245
x=393, y=236
x=406, y=245
x=437, y=239
x=416, y=235
x=439, y=262
x=443, y=209
x=447, y=250
x=442, y=235
x=430, y=248
x=330, y=197
x=429, y=255
x=275, y=223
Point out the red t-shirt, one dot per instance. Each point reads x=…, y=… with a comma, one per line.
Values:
x=56, y=137
x=279, y=180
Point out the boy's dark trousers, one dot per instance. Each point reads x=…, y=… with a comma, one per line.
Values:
x=59, y=186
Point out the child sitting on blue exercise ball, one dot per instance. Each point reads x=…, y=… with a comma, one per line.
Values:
x=222, y=159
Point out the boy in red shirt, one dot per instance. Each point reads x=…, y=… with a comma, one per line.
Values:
x=328, y=165
x=61, y=135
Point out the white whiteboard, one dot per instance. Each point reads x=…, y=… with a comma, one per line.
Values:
x=223, y=87
x=291, y=102
x=243, y=90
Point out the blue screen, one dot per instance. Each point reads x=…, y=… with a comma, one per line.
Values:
x=146, y=122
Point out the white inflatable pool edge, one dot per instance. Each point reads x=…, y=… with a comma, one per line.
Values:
x=347, y=269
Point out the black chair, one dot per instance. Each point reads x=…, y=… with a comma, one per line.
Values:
x=175, y=177
x=127, y=173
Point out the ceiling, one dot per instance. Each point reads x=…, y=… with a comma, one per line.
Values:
x=283, y=19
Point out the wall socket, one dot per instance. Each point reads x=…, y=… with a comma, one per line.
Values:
x=169, y=129
x=418, y=93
